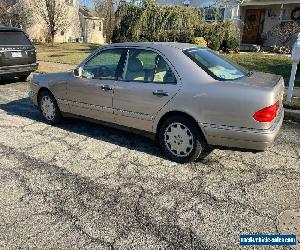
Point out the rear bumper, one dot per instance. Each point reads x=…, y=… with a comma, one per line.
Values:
x=16, y=69
x=235, y=137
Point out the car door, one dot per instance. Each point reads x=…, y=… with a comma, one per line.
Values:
x=145, y=85
x=91, y=94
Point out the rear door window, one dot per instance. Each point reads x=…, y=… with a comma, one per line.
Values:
x=13, y=38
x=147, y=66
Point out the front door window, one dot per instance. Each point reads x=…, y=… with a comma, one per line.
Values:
x=103, y=65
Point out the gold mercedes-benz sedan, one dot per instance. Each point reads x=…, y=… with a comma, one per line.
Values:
x=188, y=98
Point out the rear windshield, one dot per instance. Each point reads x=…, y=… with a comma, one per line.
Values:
x=13, y=38
x=215, y=65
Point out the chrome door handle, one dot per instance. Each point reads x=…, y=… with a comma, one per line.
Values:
x=106, y=87
x=160, y=93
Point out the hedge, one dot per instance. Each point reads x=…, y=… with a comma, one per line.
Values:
x=168, y=24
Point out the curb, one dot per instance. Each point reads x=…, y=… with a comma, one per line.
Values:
x=292, y=115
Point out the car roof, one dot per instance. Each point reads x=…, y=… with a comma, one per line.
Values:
x=8, y=28
x=155, y=45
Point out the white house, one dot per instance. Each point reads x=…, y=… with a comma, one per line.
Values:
x=82, y=23
x=91, y=26
x=260, y=16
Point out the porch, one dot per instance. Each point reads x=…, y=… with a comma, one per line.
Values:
x=259, y=17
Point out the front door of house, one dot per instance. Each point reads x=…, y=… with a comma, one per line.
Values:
x=253, y=25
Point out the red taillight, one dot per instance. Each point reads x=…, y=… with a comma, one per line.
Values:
x=267, y=114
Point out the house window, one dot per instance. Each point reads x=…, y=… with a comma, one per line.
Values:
x=62, y=33
x=214, y=14
x=94, y=25
x=100, y=28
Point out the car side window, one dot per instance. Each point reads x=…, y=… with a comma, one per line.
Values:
x=147, y=66
x=103, y=65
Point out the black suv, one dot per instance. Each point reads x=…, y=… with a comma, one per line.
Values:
x=17, y=53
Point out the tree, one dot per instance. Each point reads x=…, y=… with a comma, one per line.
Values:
x=12, y=13
x=54, y=15
x=106, y=10
x=285, y=31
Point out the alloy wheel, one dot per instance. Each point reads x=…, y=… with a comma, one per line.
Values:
x=178, y=139
x=48, y=108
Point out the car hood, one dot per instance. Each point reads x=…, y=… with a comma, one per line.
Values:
x=259, y=80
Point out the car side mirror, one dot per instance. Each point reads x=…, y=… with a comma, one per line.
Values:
x=78, y=72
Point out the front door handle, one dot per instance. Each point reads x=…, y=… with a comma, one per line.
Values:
x=160, y=93
x=106, y=87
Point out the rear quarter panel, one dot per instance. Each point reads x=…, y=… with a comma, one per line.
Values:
x=221, y=103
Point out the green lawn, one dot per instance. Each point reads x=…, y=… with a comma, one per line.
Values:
x=275, y=64
x=69, y=53
x=74, y=53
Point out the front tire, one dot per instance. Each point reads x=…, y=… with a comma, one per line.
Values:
x=181, y=140
x=49, y=108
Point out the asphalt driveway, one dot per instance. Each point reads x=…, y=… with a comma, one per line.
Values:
x=85, y=186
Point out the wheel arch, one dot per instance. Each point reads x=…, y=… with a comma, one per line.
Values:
x=177, y=113
x=44, y=89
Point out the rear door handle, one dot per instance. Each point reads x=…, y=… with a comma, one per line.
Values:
x=106, y=87
x=160, y=93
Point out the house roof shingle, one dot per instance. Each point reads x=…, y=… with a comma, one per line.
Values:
x=87, y=12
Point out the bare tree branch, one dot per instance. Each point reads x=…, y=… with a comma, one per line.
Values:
x=13, y=13
x=54, y=15
x=106, y=10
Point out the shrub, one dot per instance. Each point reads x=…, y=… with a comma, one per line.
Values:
x=200, y=41
x=285, y=32
x=217, y=30
x=232, y=43
x=281, y=49
x=214, y=43
x=152, y=22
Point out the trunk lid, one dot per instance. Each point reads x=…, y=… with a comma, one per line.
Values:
x=270, y=89
x=260, y=80
x=269, y=82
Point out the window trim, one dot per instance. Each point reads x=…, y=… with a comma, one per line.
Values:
x=96, y=53
x=140, y=81
x=210, y=72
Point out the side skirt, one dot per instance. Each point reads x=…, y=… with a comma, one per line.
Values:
x=150, y=135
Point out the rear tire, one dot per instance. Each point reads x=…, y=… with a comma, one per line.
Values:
x=49, y=108
x=181, y=140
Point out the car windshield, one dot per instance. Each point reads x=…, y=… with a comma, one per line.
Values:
x=13, y=38
x=215, y=65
